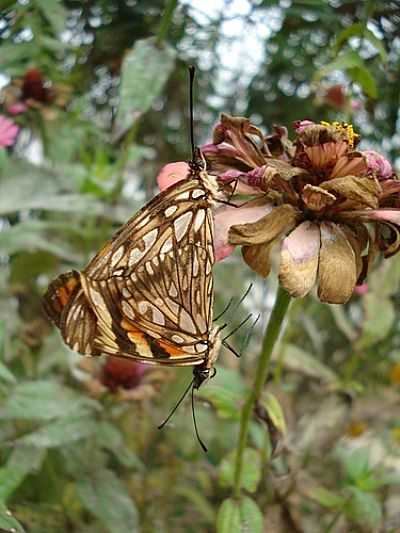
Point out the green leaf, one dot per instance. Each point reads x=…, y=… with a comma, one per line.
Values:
x=251, y=473
x=44, y=400
x=327, y=498
x=356, y=463
x=106, y=498
x=225, y=392
x=363, y=77
x=239, y=517
x=379, y=319
x=110, y=438
x=251, y=518
x=61, y=432
x=228, y=517
x=7, y=522
x=145, y=71
x=343, y=62
x=298, y=360
x=5, y=374
x=34, y=235
x=54, y=12
x=22, y=461
x=364, y=508
x=275, y=411
x=359, y=30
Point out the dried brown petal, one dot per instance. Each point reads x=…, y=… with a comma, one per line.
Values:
x=316, y=198
x=299, y=259
x=257, y=257
x=323, y=155
x=361, y=191
x=268, y=228
x=337, y=274
x=358, y=238
x=353, y=163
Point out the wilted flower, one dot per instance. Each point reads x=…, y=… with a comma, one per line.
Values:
x=336, y=96
x=331, y=207
x=124, y=378
x=8, y=131
x=33, y=91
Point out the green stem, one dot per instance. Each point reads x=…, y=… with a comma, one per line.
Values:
x=271, y=335
x=166, y=21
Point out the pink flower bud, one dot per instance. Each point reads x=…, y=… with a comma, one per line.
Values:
x=301, y=125
x=378, y=165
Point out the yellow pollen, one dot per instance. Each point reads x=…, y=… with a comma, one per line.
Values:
x=343, y=127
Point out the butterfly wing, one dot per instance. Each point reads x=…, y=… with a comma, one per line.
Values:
x=157, y=277
x=66, y=305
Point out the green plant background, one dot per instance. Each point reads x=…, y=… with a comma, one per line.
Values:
x=71, y=462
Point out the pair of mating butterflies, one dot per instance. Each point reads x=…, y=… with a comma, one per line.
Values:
x=148, y=294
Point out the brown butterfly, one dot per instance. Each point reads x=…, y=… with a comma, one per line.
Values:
x=148, y=294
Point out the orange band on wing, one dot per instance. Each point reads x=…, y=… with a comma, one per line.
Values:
x=172, y=350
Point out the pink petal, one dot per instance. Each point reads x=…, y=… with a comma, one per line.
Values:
x=299, y=259
x=8, y=131
x=172, y=173
x=378, y=164
x=301, y=125
x=17, y=108
x=227, y=216
x=361, y=289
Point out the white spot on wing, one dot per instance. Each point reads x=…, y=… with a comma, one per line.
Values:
x=195, y=265
x=117, y=256
x=199, y=220
x=135, y=256
x=143, y=222
x=186, y=322
x=127, y=309
x=149, y=268
x=150, y=238
x=177, y=338
x=183, y=196
x=167, y=246
x=173, y=290
x=181, y=225
x=170, y=210
x=197, y=193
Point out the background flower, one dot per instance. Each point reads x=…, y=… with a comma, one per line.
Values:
x=8, y=131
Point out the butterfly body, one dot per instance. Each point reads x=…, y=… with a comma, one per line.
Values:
x=148, y=294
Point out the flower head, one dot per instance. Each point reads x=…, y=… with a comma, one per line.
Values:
x=330, y=207
x=8, y=131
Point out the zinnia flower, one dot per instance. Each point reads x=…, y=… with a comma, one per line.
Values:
x=125, y=379
x=8, y=131
x=329, y=204
x=329, y=207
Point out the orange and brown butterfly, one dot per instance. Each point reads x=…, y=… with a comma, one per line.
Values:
x=148, y=294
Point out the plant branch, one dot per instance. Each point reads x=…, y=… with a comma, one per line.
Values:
x=272, y=332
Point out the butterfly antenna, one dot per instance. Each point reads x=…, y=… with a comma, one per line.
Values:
x=244, y=295
x=242, y=323
x=225, y=310
x=192, y=71
x=247, y=338
x=195, y=425
x=178, y=403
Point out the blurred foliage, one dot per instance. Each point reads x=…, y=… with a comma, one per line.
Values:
x=104, y=85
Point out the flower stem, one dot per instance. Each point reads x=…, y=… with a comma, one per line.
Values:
x=271, y=335
x=166, y=20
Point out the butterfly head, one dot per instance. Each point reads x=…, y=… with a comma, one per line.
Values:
x=206, y=370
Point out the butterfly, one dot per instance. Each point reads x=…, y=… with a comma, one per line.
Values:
x=148, y=294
